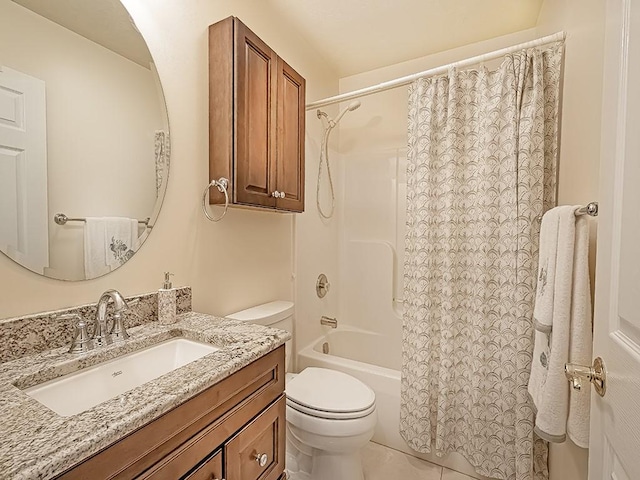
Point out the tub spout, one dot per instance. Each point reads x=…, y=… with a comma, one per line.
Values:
x=329, y=322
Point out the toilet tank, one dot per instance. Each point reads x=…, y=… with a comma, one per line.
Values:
x=278, y=314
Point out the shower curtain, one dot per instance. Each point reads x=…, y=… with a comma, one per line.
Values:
x=162, y=154
x=482, y=170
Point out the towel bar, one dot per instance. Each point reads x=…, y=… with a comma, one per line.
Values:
x=62, y=219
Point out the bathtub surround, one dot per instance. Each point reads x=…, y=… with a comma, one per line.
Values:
x=38, y=332
x=483, y=144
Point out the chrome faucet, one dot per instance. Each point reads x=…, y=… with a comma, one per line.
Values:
x=329, y=322
x=101, y=336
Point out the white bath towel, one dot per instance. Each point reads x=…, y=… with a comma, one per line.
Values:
x=562, y=314
x=581, y=336
x=108, y=243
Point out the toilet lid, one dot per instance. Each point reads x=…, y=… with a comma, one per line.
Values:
x=324, y=390
x=312, y=412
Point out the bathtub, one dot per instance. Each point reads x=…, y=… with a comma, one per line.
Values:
x=375, y=360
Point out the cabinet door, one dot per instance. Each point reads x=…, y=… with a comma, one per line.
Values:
x=211, y=469
x=290, y=138
x=257, y=452
x=255, y=122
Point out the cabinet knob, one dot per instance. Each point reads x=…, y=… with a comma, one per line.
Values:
x=261, y=458
x=281, y=194
x=275, y=194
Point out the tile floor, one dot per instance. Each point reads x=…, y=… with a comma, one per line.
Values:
x=383, y=463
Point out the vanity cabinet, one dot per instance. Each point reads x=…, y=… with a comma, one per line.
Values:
x=233, y=430
x=256, y=121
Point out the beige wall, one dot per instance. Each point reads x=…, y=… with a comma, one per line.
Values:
x=102, y=112
x=584, y=22
x=246, y=258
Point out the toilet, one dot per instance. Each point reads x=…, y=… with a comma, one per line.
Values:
x=330, y=415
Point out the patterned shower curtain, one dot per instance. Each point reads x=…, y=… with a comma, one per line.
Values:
x=162, y=155
x=482, y=170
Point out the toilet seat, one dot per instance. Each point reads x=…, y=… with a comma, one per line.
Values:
x=329, y=394
x=329, y=415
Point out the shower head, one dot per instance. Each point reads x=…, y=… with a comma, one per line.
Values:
x=354, y=105
x=350, y=108
x=331, y=122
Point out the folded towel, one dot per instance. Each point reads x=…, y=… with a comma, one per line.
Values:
x=562, y=313
x=108, y=243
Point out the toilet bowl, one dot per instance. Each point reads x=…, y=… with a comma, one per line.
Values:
x=330, y=415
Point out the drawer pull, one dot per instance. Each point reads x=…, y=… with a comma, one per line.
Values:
x=261, y=458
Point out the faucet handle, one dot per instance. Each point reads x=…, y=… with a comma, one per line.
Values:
x=82, y=341
x=118, y=332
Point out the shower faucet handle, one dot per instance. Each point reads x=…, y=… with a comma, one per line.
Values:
x=322, y=285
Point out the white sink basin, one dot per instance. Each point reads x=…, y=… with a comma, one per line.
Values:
x=77, y=392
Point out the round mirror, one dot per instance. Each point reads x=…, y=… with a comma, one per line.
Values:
x=84, y=137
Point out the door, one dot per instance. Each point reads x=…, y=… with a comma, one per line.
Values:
x=615, y=418
x=23, y=170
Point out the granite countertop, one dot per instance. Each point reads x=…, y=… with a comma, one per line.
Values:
x=35, y=442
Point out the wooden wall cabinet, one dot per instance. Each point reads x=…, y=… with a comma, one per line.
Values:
x=233, y=430
x=256, y=121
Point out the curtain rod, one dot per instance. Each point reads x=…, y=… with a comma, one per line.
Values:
x=399, y=82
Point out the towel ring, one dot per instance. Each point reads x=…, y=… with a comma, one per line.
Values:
x=221, y=185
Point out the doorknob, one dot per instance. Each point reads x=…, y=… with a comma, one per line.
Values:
x=596, y=374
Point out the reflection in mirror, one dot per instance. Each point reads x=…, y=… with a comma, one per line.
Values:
x=84, y=137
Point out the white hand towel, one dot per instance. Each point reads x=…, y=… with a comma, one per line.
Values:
x=121, y=240
x=548, y=385
x=95, y=263
x=581, y=340
x=108, y=243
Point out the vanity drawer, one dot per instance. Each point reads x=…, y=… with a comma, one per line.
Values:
x=174, y=443
x=263, y=438
x=211, y=469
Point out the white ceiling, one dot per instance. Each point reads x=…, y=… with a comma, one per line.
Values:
x=352, y=36
x=355, y=36
x=106, y=23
